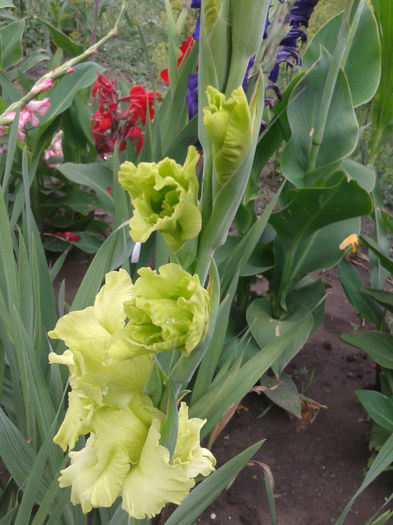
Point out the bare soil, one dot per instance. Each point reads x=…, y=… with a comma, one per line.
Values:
x=318, y=464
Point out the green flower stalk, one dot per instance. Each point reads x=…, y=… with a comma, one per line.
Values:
x=164, y=196
x=229, y=125
x=168, y=310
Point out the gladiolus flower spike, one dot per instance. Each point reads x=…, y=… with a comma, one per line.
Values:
x=108, y=393
x=298, y=17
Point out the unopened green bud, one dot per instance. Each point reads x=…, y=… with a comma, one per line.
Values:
x=229, y=125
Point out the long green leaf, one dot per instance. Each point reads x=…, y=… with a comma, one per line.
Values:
x=382, y=107
x=31, y=487
x=378, y=345
x=353, y=284
x=11, y=43
x=18, y=456
x=110, y=256
x=208, y=365
x=241, y=254
x=97, y=176
x=362, y=60
x=378, y=406
x=62, y=95
x=61, y=40
x=199, y=498
x=381, y=462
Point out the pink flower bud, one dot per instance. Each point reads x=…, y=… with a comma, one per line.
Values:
x=40, y=107
x=43, y=85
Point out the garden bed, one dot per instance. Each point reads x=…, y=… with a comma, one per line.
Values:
x=317, y=463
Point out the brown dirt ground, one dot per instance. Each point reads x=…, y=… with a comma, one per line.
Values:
x=315, y=470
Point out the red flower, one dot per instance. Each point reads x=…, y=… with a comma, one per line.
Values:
x=138, y=104
x=108, y=189
x=104, y=87
x=68, y=236
x=184, y=51
x=111, y=123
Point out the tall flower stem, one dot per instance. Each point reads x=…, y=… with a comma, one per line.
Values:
x=343, y=38
x=95, y=16
x=63, y=69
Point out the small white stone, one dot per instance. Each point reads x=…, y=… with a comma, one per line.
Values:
x=213, y=516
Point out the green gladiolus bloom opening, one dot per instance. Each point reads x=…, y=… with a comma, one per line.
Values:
x=167, y=310
x=164, y=196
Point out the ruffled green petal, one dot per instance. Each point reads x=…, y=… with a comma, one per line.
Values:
x=108, y=305
x=93, y=484
x=67, y=358
x=76, y=422
x=154, y=482
x=229, y=124
x=95, y=324
x=118, y=428
x=162, y=195
x=167, y=310
x=188, y=453
x=79, y=327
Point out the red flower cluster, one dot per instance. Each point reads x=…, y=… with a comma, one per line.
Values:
x=68, y=236
x=112, y=122
x=184, y=51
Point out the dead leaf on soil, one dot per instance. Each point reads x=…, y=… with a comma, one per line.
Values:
x=309, y=411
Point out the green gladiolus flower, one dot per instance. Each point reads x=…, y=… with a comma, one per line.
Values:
x=167, y=310
x=229, y=124
x=117, y=437
x=164, y=196
x=89, y=333
x=123, y=457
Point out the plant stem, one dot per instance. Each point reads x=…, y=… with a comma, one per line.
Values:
x=94, y=29
x=63, y=69
x=330, y=84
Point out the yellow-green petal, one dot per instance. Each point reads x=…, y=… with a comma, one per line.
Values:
x=168, y=310
x=118, y=428
x=188, y=452
x=76, y=422
x=164, y=195
x=91, y=485
x=154, y=482
x=108, y=304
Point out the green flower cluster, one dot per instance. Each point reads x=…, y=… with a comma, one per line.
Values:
x=109, y=355
x=164, y=196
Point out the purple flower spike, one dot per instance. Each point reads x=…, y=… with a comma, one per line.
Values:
x=267, y=23
x=196, y=4
x=249, y=66
x=197, y=29
x=192, y=95
x=288, y=53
